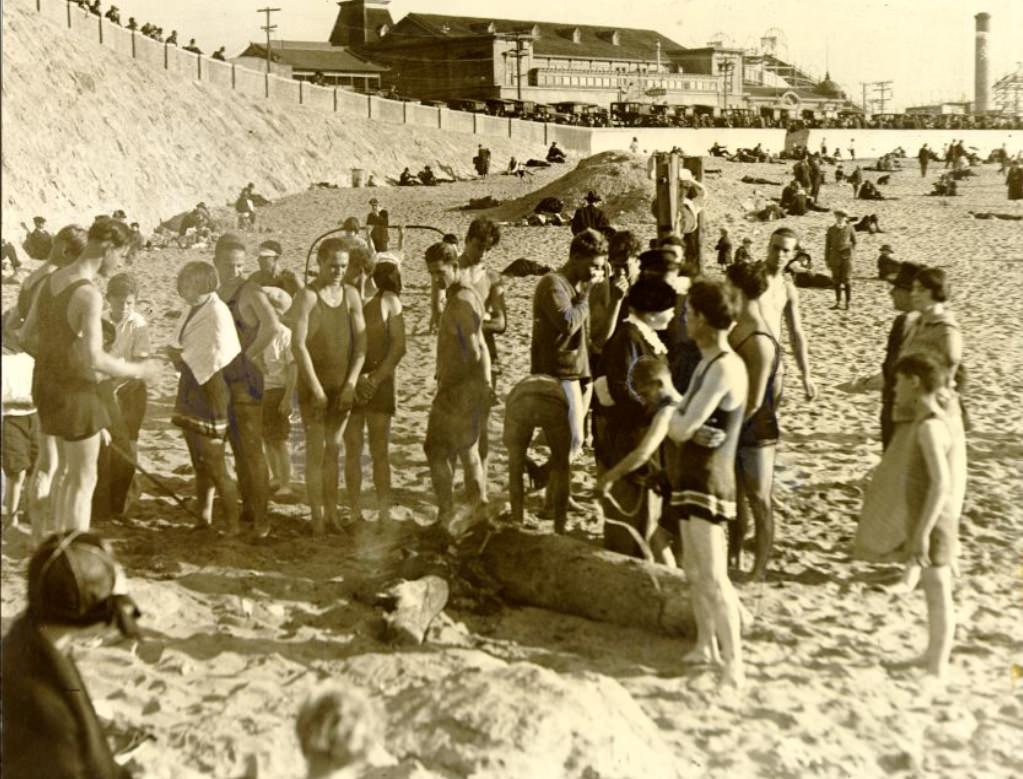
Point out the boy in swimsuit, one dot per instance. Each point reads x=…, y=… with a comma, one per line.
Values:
x=935, y=489
x=256, y=323
x=462, y=402
x=329, y=341
x=702, y=478
x=482, y=236
x=752, y=341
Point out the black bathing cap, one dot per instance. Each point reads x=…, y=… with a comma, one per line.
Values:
x=651, y=295
x=659, y=260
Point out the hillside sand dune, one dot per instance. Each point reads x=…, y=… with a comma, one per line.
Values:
x=239, y=632
x=113, y=133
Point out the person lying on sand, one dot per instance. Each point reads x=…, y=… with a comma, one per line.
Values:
x=329, y=341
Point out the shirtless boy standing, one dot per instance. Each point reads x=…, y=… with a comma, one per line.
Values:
x=329, y=342
x=460, y=407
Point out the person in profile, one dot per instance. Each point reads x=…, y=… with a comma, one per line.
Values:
x=75, y=589
x=407, y=179
x=218, y=55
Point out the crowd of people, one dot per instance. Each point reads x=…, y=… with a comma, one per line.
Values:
x=151, y=31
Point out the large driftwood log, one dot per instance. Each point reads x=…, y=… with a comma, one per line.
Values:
x=562, y=574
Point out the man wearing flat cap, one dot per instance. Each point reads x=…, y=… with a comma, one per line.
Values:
x=839, y=244
x=50, y=727
x=590, y=216
x=377, y=220
x=38, y=242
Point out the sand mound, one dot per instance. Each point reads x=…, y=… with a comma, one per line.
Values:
x=489, y=718
x=618, y=177
x=97, y=131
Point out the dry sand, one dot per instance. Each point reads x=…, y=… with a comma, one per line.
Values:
x=240, y=632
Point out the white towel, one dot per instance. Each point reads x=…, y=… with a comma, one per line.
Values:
x=209, y=340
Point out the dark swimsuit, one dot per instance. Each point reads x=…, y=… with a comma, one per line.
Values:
x=244, y=379
x=761, y=429
x=703, y=480
x=66, y=394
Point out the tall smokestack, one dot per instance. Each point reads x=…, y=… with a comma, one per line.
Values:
x=980, y=74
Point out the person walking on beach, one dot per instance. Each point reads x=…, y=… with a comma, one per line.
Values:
x=924, y=157
x=378, y=220
x=462, y=402
x=329, y=342
x=839, y=245
x=781, y=302
x=1014, y=180
x=64, y=333
x=758, y=440
x=375, y=396
x=255, y=321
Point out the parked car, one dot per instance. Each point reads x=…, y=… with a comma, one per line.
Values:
x=464, y=104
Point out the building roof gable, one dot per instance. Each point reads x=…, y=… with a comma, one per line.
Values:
x=314, y=55
x=551, y=38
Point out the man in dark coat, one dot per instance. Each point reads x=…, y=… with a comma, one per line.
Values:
x=590, y=216
x=39, y=241
x=1014, y=180
x=50, y=727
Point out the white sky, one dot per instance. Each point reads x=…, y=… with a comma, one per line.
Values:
x=924, y=46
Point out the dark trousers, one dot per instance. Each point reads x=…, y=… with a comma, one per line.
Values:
x=116, y=465
x=245, y=433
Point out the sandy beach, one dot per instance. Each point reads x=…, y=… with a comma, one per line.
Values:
x=239, y=632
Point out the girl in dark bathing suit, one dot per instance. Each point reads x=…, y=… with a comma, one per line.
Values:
x=753, y=342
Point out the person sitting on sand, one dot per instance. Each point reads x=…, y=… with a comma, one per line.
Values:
x=76, y=590
x=407, y=179
x=245, y=207
x=781, y=301
x=869, y=191
x=839, y=174
x=329, y=341
x=935, y=487
x=375, y=395
x=462, y=401
x=758, y=440
x=207, y=342
x=555, y=153
x=256, y=323
x=427, y=177
x=64, y=333
x=38, y=242
x=702, y=478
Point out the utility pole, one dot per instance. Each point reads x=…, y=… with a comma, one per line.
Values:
x=269, y=28
x=725, y=68
x=883, y=91
x=520, y=39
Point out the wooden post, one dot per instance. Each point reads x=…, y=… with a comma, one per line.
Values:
x=666, y=195
x=562, y=574
x=404, y=113
x=133, y=56
x=475, y=124
x=69, y=14
x=266, y=85
x=369, y=106
x=198, y=65
x=233, y=78
x=39, y=6
x=440, y=118
x=335, y=100
x=300, y=92
x=166, y=58
x=99, y=22
x=511, y=134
